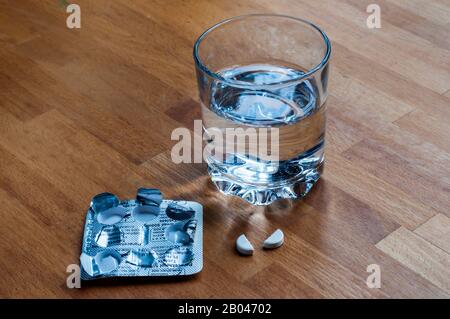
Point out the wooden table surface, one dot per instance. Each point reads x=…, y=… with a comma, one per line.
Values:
x=83, y=111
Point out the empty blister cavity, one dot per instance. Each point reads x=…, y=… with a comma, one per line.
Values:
x=112, y=216
x=145, y=214
x=179, y=212
x=275, y=240
x=106, y=207
x=102, y=263
x=178, y=234
x=103, y=202
x=109, y=236
x=244, y=246
x=142, y=258
x=190, y=228
x=178, y=256
x=149, y=196
x=107, y=261
x=89, y=265
x=149, y=200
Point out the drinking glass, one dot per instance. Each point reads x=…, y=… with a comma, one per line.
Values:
x=262, y=82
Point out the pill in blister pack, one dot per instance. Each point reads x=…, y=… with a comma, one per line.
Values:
x=146, y=236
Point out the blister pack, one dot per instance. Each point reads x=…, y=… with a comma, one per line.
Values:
x=146, y=236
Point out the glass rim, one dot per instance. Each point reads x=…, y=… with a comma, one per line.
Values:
x=235, y=83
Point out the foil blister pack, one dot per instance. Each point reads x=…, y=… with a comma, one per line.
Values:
x=142, y=237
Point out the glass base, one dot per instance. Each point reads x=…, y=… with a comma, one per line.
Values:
x=294, y=188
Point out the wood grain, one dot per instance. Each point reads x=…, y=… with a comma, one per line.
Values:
x=436, y=231
x=419, y=255
x=92, y=110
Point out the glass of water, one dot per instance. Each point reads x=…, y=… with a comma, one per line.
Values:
x=263, y=85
